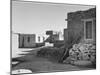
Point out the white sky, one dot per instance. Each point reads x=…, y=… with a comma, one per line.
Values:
x=33, y=17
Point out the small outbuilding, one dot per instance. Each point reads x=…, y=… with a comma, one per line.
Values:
x=27, y=40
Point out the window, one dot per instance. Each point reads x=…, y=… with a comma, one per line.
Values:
x=28, y=39
x=88, y=29
x=22, y=42
x=39, y=39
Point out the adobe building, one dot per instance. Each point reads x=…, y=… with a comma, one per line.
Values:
x=53, y=36
x=27, y=40
x=81, y=27
x=40, y=38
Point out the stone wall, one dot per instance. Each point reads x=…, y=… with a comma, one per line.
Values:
x=82, y=52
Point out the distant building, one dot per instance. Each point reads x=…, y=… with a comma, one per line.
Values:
x=27, y=40
x=53, y=36
x=40, y=38
x=81, y=26
x=50, y=32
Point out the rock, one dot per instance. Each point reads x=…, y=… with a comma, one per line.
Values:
x=85, y=57
x=92, y=58
x=82, y=48
x=75, y=46
x=83, y=52
x=82, y=63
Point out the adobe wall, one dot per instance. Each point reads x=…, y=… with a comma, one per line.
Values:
x=24, y=43
x=76, y=24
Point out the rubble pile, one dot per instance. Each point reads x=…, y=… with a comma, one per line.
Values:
x=82, y=52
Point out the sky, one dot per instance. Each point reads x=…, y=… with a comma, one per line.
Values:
x=37, y=18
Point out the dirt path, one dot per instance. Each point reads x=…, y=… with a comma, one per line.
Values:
x=40, y=64
x=44, y=65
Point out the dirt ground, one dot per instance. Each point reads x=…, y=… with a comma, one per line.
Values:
x=39, y=64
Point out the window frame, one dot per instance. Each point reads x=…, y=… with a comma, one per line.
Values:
x=86, y=20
